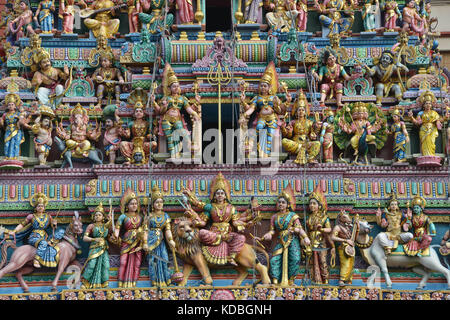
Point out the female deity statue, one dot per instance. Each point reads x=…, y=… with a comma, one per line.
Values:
x=42, y=129
x=319, y=231
x=269, y=108
x=185, y=11
x=302, y=17
x=330, y=76
x=103, y=24
x=393, y=220
x=169, y=109
x=253, y=11
x=401, y=137
x=134, y=9
x=67, y=14
x=13, y=121
x=421, y=225
x=345, y=232
x=23, y=24
x=96, y=267
x=326, y=135
x=35, y=227
x=412, y=21
x=221, y=242
x=369, y=15
x=361, y=125
x=158, y=233
x=113, y=132
x=299, y=136
x=391, y=14
x=138, y=131
x=130, y=228
x=286, y=255
x=429, y=122
x=44, y=14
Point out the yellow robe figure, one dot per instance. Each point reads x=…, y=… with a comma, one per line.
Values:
x=428, y=133
x=103, y=24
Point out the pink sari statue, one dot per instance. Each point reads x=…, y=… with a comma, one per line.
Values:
x=412, y=20
x=129, y=227
x=302, y=17
x=185, y=12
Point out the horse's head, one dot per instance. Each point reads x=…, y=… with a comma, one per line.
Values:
x=364, y=227
x=76, y=225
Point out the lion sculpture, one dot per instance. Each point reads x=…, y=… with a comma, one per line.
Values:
x=189, y=249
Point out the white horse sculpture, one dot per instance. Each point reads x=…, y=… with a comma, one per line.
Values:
x=373, y=253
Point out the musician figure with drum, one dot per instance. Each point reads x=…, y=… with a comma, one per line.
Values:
x=345, y=232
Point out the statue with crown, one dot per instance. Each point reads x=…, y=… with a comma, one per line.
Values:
x=172, y=124
x=74, y=141
x=270, y=111
x=430, y=123
x=13, y=121
x=360, y=128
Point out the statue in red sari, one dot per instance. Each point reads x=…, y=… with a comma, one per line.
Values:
x=129, y=233
x=185, y=12
x=221, y=241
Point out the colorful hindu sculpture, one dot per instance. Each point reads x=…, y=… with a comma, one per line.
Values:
x=426, y=14
x=74, y=141
x=422, y=227
x=319, y=230
x=330, y=76
x=44, y=15
x=299, y=136
x=137, y=151
x=387, y=71
x=185, y=11
x=103, y=24
x=46, y=80
x=391, y=14
x=331, y=17
x=412, y=21
x=13, y=121
x=129, y=229
x=253, y=11
x=67, y=14
x=169, y=109
x=429, y=122
x=134, y=9
x=36, y=227
x=113, y=132
x=154, y=21
x=344, y=233
x=23, y=24
x=302, y=17
x=108, y=78
x=282, y=19
x=42, y=129
x=269, y=108
x=369, y=14
x=326, y=135
x=401, y=136
x=158, y=234
x=96, y=268
x=286, y=255
x=6, y=17
x=393, y=220
x=361, y=126
x=221, y=241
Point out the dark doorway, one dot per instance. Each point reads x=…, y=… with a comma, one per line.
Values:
x=218, y=15
x=210, y=121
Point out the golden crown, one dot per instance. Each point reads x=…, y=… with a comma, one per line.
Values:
x=127, y=196
x=46, y=111
x=99, y=208
x=156, y=193
x=418, y=200
x=38, y=198
x=328, y=112
x=220, y=183
x=359, y=107
x=41, y=55
x=318, y=195
x=12, y=97
x=288, y=194
x=78, y=110
x=427, y=96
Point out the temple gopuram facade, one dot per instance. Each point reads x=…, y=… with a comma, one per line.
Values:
x=224, y=150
